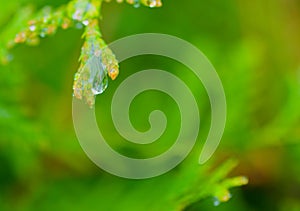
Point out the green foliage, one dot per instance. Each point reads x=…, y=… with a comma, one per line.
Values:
x=254, y=49
x=28, y=27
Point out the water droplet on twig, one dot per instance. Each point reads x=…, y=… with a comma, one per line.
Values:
x=216, y=201
x=98, y=76
x=91, y=80
x=85, y=22
x=136, y=3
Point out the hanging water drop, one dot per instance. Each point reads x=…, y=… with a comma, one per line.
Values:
x=216, y=201
x=136, y=3
x=43, y=33
x=78, y=25
x=100, y=85
x=98, y=75
x=32, y=28
x=85, y=22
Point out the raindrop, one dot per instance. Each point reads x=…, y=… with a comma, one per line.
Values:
x=216, y=201
x=98, y=76
x=32, y=28
x=43, y=33
x=78, y=25
x=99, y=86
x=85, y=22
x=136, y=3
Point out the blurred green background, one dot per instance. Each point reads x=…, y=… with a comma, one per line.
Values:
x=255, y=48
